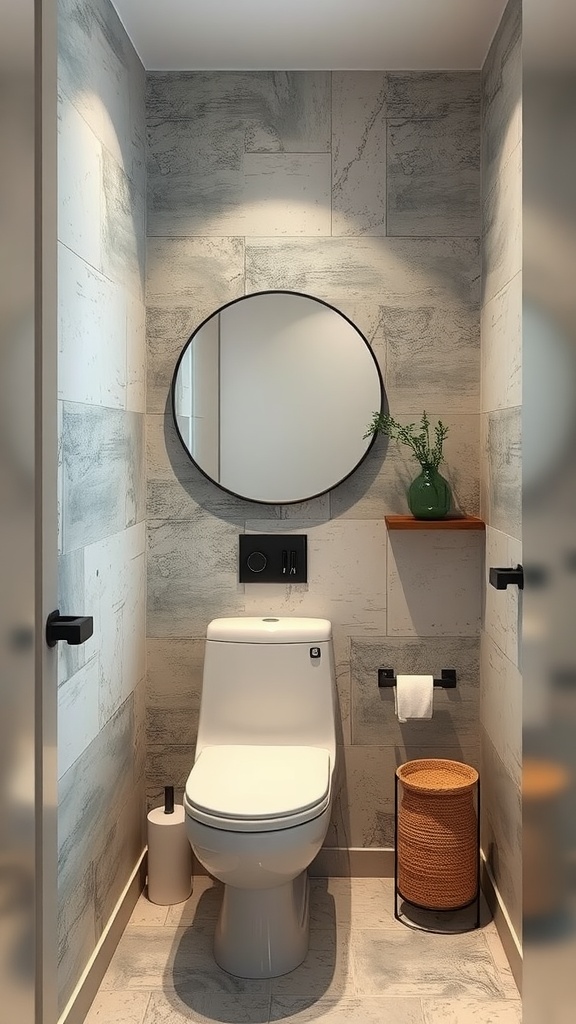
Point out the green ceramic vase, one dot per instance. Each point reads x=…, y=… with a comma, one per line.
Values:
x=429, y=495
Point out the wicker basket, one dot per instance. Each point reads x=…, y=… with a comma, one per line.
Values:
x=438, y=850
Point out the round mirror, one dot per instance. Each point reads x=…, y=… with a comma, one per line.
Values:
x=272, y=395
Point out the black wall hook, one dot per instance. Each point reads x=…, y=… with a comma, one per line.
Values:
x=504, y=578
x=74, y=629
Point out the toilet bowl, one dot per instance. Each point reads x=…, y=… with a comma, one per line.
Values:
x=258, y=798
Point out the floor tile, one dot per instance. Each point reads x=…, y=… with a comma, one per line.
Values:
x=120, y=1007
x=325, y=973
x=472, y=1011
x=203, y=905
x=366, y=1010
x=406, y=962
x=148, y=913
x=351, y=900
x=172, y=1007
x=158, y=958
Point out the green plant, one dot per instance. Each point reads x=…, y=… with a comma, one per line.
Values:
x=428, y=455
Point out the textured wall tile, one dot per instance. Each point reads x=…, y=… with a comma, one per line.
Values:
x=361, y=275
x=91, y=335
x=135, y=355
x=202, y=182
x=80, y=200
x=358, y=153
x=502, y=95
x=123, y=842
x=78, y=720
x=341, y=642
x=503, y=608
x=434, y=176
x=192, y=575
x=502, y=829
x=93, y=791
x=432, y=359
x=434, y=583
x=123, y=228
x=167, y=332
x=455, y=718
x=168, y=765
x=502, y=226
x=102, y=472
x=432, y=93
x=174, y=687
x=139, y=706
x=503, y=501
x=101, y=74
x=346, y=575
x=76, y=926
x=200, y=274
x=277, y=111
x=501, y=327
x=71, y=601
x=501, y=705
x=115, y=575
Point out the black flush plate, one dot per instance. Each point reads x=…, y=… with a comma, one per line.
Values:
x=273, y=558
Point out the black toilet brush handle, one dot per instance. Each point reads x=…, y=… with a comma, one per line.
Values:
x=168, y=799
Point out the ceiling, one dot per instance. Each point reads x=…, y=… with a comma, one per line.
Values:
x=311, y=34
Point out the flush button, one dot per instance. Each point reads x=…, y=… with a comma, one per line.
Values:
x=315, y=652
x=257, y=561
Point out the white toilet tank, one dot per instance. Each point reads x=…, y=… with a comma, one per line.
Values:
x=268, y=681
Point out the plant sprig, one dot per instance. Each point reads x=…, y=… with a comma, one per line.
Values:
x=428, y=455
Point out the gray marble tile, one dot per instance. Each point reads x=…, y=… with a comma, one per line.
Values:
x=350, y=591
x=502, y=95
x=361, y=275
x=404, y=962
x=123, y=228
x=186, y=1004
x=92, y=336
x=78, y=717
x=277, y=111
x=432, y=358
x=121, y=845
x=100, y=72
x=501, y=705
x=502, y=227
x=503, y=501
x=178, y=490
x=76, y=926
x=353, y=1010
x=203, y=182
x=103, y=472
x=501, y=331
x=503, y=608
x=93, y=791
x=71, y=601
x=472, y=1011
x=169, y=958
x=80, y=199
x=120, y=1007
x=167, y=765
x=434, y=583
x=455, y=719
x=502, y=828
x=174, y=686
x=432, y=93
x=192, y=575
x=433, y=174
x=359, y=152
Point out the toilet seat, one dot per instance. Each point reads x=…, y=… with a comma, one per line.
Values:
x=258, y=788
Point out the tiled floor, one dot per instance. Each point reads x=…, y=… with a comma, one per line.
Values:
x=362, y=967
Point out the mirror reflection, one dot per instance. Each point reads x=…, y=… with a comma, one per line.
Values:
x=272, y=394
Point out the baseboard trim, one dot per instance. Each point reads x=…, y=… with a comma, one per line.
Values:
x=508, y=937
x=83, y=995
x=356, y=862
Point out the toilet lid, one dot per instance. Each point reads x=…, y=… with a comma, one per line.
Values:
x=258, y=783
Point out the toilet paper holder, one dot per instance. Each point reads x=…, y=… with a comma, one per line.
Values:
x=387, y=677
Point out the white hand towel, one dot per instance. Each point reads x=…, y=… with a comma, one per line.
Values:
x=413, y=697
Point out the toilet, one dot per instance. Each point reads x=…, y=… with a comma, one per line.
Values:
x=258, y=799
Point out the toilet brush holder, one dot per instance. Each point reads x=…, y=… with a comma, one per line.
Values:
x=169, y=853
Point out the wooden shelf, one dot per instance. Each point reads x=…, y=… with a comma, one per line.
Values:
x=448, y=523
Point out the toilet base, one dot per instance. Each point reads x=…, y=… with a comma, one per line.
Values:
x=263, y=933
